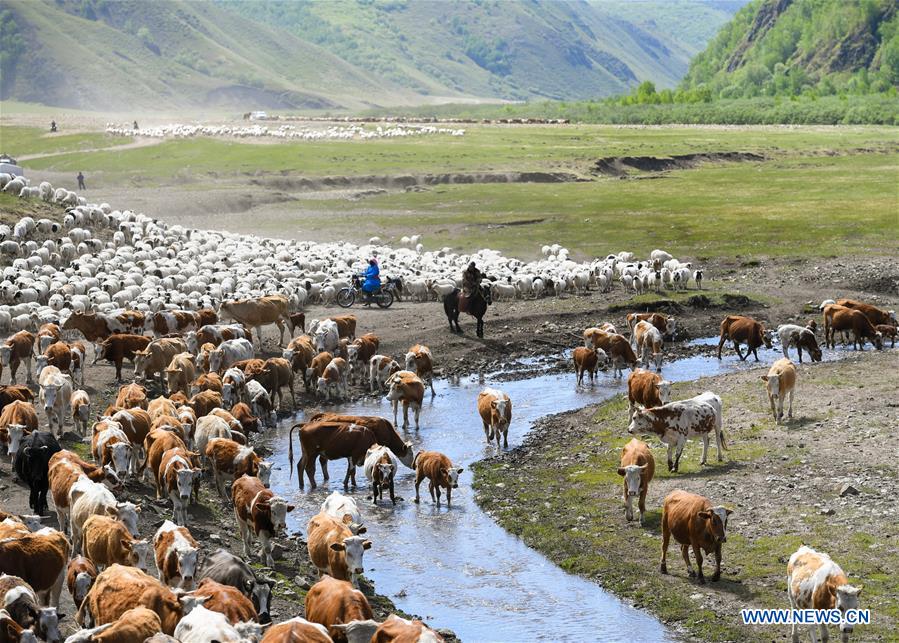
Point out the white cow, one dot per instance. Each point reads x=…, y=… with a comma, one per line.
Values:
x=201, y=625
x=344, y=509
x=229, y=352
x=96, y=499
x=56, y=390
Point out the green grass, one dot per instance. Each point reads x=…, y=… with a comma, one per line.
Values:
x=17, y=141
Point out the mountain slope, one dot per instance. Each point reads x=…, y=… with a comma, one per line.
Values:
x=131, y=54
x=774, y=47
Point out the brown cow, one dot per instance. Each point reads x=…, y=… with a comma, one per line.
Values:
x=106, y=541
x=297, y=320
x=495, y=409
x=887, y=330
x=874, y=314
x=64, y=470
x=275, y=375
x=119, y=347
x=249, y=423
x=176, y=554
x=12, y=392
x=80, y=406
x=180, y=373
x=80, y=576
x=131, y=396
x=587, y=360
x=330, y=440
x=300, y=352
x=295, y=630
x=206, y=382
x=205, y=401
x=851, y=320
x=58, y=354
x=383, y=430
x=346, y=326
x=406, y=387
x=226, y=600
x=332, y=602
x=161, y=406
x=621, y=354
x=637, y=466
x=317, y=367
x=395, y=629
x=420, y=362
x=119, y=589
x=157, y=356
x=230, y=460
x=359, y=353
x=259, y=511
x=693, y=522
x=134, y=626
x=646, y=389
x=334, y=549
x=40, y=560
x=15, y=350
x=744, y=330
x=439, y=471
x=256, y=313
x=47, y=335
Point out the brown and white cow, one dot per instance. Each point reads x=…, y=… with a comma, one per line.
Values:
x=205, y=401
x=334, y=549
x=439, y=471
x=407, y=388
x=420, y=362
x=80, y=576
x=96, y=327
x=300, y=353
x=157, y=442
x=395, y=629
x=802, y=337
x=495, y=409
x=334, y=379
x=180, y=373
x=167, y=322
x=136, y=424
x=331, y=602
x=176, y=475
x=119, y=347
x=297, y=629
x=649, y=342
x=646, y=389
x=815, y=581
x=158, y=354
x=176, y=554
x=65, y=469
x=380, y=468
x=744, y=330
x=666, y=324
x=17, y=349
x=259, y=511
x=18, y=601
x=360, y=352
x=58, y=354
x=587, y=360
x=256, y=313
x=380, y=368
x=47, y=335
x=676, y=422
x=39, y=559
x=637, y=466
x=17, y=420
x=854, y=321
x=111, y=446
x=226, y=600
x=106, y=541
x=131, y=396
x=230, y=460
x=780, y=383
x=119, y=589
x=693, y=522
x=595, y=335
x=346, y=326
x=80, y=406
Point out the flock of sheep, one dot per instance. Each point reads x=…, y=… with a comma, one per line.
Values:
x=331, y=133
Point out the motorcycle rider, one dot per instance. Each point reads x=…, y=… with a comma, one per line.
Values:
x=372, y=282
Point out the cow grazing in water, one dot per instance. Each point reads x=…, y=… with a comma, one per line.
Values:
x=780, y=383
x=800, y=337
x=855, y=321
x=744, y=330
x=815, y=581
x=693, y=522
x=637, y=466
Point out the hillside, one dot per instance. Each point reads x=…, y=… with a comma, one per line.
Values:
x=790, y=47
x=512, y=50
x=134, y=55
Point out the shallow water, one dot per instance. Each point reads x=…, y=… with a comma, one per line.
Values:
x=456, y=567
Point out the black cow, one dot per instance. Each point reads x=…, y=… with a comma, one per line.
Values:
x=224, y=567
x=33, y=464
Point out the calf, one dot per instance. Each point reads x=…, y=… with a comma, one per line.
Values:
x=331, y=602
x=180, y=373
x=230, y=461
x=588, y=360
x=333, y=378
x=420, y=362
x=406, y=387
x=380, y=368
x=258, y=511
x=317, y=367
x=119, y=589
x=106, y=541
x=646, y=389
x=780, y=383
x=380, y=468
x=855, y=321
x=744, y=330
x=649, y=341
x=800, y=337
x=300, y=353
x=439, y=471
x=333, y=548
x=637, y=466
x=275, y=375
x=261, y=403
x=226, y=600
x=80, y=406
x=15, y=350
x=676, y=422
x=815, y=581
x=80, y=576
x=885, y=330
x=176, y=553
x=224, y=567
x=665, y=324
x=359, y=354
x=39, y=559
x=343, y=509
x=693, y=522
x=495, y=409
x=249, y=423
x=117, y=348
x=33, y=464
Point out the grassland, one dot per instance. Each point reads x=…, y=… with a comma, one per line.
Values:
x=561, y=494
x=34, y=140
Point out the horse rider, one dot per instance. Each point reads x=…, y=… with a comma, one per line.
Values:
x=471, y=282
x=372, y=282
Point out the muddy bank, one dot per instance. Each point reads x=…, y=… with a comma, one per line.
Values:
x=407, y=181
x=620, y=166
x=824, y=479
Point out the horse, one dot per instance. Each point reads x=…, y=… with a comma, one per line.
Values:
x=477, y=308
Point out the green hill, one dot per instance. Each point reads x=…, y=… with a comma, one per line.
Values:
x=115, y=55
x=790, y=47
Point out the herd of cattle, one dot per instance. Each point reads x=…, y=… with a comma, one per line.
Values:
x=291, y=132
x=158, y=295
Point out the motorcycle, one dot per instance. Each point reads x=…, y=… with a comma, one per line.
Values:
x=383, y=297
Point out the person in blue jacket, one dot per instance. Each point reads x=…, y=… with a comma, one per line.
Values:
x=372, y=279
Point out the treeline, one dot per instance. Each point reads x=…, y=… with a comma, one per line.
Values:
x=875, y=109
